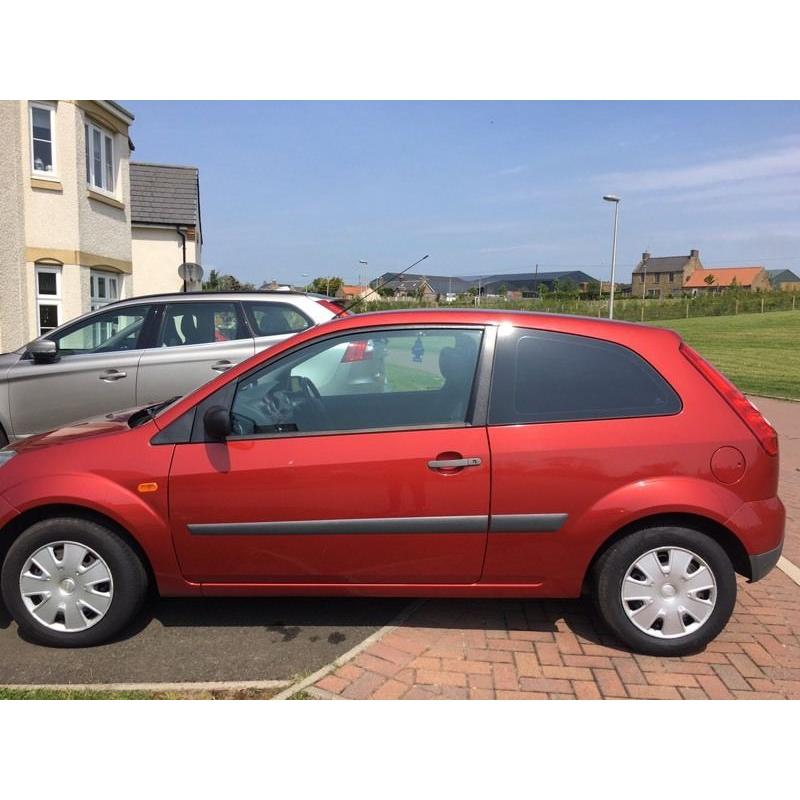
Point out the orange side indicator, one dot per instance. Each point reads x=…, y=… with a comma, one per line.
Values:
x=144, y=488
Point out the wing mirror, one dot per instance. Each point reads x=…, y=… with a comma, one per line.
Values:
x=43, y=351
x=217, y=423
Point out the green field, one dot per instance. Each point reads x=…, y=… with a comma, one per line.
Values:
x=760, y=353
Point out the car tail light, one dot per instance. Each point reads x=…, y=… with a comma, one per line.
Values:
x=358, y=351
x=334, y=308
x=748, y=413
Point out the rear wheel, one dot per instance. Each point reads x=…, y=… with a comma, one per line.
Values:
x=665, y=591
x=70, y=582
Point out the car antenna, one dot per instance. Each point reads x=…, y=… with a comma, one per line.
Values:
x=394, y=277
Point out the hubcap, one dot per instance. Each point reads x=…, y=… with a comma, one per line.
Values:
x=66, y=586
x=669, y=592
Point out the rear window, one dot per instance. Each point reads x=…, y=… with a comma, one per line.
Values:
x=541, y=376
x=275, y=319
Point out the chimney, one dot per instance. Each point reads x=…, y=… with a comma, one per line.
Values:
x=694, y=254
x=645, y=257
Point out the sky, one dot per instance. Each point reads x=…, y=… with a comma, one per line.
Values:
x=293, y=190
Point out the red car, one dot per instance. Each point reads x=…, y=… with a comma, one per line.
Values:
x=496, y=455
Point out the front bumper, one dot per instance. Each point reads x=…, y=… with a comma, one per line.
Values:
x=763, y=563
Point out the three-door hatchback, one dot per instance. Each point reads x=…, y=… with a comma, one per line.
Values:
x=472, y=454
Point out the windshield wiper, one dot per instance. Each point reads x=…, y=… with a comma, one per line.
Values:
x=148, y=412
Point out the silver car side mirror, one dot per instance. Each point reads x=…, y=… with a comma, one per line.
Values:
x=43, y=351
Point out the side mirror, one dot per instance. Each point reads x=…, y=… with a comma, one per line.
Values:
x=217, y=423
x=43, y=351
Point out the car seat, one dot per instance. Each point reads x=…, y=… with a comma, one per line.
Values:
x=457, y=365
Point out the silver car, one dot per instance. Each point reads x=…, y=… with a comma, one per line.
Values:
x=141, y=351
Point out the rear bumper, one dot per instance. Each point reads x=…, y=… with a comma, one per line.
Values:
x=763, y=563
x=759, y=526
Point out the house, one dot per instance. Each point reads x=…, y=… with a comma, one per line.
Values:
x=353, y=292
x=81, y=226
x=716, y=279
x=64, y=212
x=165, y=225
x=783, y=280
x=407, y=286
x=663, y=276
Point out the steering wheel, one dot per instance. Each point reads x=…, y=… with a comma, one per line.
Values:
x=287, y=406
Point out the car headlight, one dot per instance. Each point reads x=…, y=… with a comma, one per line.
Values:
x=6, y=456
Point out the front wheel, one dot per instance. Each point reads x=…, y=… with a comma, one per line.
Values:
x=665, y=591
x=70, y=582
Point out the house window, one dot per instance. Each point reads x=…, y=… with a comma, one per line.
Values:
x=105, y=288
x=48, y=298
x=99, y=145
x=43, y=151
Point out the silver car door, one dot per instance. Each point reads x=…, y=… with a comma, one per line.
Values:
x=197, y=340
x=95, y=372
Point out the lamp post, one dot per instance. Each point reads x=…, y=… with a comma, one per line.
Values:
x=610, y=198
x=361, y=285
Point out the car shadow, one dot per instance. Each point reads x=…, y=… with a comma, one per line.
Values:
x=289, y=617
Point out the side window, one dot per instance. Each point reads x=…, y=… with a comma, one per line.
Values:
x=204, y=322
x=557, y=377
x=275, y=319
x=107, y=332
x=384, y=379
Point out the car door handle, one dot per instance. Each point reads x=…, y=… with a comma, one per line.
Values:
x=221, y=366
x=454, y=463
x=111, y=375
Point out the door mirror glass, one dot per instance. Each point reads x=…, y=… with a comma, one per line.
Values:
x=43, y=351
x=217, y=422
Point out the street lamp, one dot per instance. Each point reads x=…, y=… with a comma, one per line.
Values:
x=366, y=276
x=611, y=198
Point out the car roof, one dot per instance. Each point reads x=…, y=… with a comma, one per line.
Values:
x=189, y=296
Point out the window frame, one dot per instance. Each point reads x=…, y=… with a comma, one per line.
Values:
x=519, y=331
x=89, y=126
x=477, y=408
x=47, y=299
x=51, y=109
x=95, y=302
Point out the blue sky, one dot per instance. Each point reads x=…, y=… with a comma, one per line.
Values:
x=312, y=187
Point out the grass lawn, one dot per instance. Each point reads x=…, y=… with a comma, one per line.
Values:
x=760, y=353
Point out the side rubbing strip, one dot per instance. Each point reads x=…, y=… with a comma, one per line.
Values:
x=526, y=523
x=471, y=524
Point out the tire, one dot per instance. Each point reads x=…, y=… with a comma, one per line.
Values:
x=90, y=609
x=677, y=564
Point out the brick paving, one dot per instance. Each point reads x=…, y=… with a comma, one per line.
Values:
x=524, y=649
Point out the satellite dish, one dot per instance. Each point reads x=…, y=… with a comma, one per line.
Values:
x=190, y=272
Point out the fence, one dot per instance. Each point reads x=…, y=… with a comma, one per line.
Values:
x=630, y=309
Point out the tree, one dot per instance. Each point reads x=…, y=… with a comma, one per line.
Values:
x=325, y=285
x=225, y=283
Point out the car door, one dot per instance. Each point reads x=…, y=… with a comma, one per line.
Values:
x=571, y=419
x=94, y=372
x=339, y=483
x=196, y=341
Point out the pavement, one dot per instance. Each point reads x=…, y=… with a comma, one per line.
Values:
x=188, y=640
x=445, y=648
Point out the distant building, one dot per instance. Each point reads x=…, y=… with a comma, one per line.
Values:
x=663, y=276
x=165, y=225
x=783, y=280
x=717, y=279
x=511, y=284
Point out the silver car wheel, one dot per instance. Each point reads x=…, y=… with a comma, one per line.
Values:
x=66, y=586
x=669, y=592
